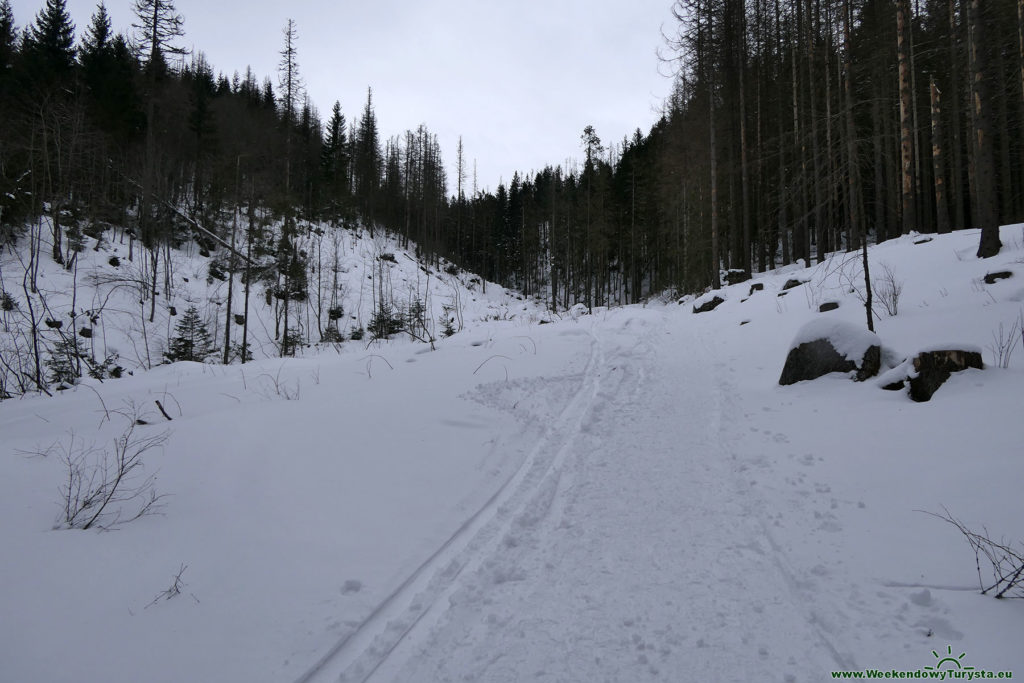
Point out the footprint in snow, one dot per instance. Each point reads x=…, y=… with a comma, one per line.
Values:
x=922, y=599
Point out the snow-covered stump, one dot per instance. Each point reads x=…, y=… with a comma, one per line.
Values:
x=929, y=369
x=933, y=368
x=824, y=346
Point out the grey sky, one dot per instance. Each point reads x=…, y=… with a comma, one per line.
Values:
x=517, y=80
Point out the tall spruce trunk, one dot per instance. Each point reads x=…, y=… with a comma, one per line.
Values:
x=820, y=237
x=802, y=245
x=986, y=210
x=745, y=262
x=957, y=178
x=857, y=232
x=783, y=222
x=922, y=208
x=877, y=126
x=1020, y=102
x=907, y=181
x=941, y=202
x=716, y=259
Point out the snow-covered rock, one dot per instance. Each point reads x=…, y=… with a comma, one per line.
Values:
x=707, y=303
x=823, y=346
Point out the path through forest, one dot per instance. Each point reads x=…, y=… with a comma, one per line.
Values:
x=629, y=546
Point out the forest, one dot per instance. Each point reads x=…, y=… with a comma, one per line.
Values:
x=795, y=128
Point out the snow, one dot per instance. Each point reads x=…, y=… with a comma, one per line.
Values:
x=622, y=496
x=849, y=340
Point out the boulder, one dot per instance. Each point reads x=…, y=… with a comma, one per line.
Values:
x=756, y=287
x=790, y=284
x=823, y=346
x=828, y=306
x=933, y=368
x=710, y=305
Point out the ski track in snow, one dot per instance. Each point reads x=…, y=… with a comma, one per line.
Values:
x=531, y=488
x=616, y=552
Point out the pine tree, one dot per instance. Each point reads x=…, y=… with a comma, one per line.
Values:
x=49, y=44
x=65, y=361
x=366, y=162
x=8, y=51
x=289, y=83
x=192, y=341
x=334, y=164
x=158, y=26
x=108, y=72
x=8, y=38
x=98, y=36
x=290, y=266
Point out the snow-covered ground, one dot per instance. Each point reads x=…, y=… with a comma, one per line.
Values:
x=623, y=496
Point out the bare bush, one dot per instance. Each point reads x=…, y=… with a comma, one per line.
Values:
x=274, y=385
x=103, y=488
x=1005, y=562
x=1004, y=342
x=888, y=288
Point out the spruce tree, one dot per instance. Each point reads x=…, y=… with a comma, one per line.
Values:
x=49, y=45
x=334, y=164
x=8, y=49
x=96, y=40
x=366, y=162
x=8, y=37
x=97, y=58
x=192, y=341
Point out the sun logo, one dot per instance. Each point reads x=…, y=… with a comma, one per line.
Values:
x=950, y=659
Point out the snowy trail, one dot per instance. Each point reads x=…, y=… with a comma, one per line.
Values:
x=358, y=655
x=626, y=548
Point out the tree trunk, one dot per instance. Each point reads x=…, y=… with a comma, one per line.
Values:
x=820, y=238
x=880, y=187
x=986, y=210
x=941, y=202
x=907, y=183
x=957, y=179
x=744, y=262
x=1020, y=103
x=802, y=246
x=716, y=260
x=783, y=222
x=853, y=172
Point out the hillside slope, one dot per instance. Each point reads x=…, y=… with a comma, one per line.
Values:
x=351, y=276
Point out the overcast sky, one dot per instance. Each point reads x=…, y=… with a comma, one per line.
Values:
x=518, y=80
